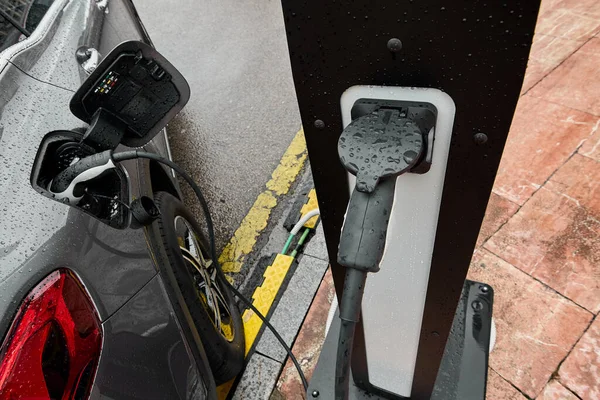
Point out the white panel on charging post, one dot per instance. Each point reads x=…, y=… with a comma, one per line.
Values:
x=394, y=297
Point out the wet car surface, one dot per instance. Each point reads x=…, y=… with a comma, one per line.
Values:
x=147, y=349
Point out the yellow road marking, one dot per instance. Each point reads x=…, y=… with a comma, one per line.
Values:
x=245, y=237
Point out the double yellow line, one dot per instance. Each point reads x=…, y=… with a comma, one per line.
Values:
x=254, y=223
x=244, y=239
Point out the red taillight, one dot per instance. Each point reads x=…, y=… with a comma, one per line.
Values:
x=53, y=346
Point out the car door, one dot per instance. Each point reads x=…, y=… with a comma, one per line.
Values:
x=39, y=72
x=114, y=262
x=82, y=32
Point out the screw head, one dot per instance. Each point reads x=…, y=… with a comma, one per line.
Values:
x=477, y=305
x=484, y=289
x=480, y=138
x=315, y=393
x=394, y=45
x=319, y=124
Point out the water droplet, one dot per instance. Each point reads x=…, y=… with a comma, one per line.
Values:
x=409, y=156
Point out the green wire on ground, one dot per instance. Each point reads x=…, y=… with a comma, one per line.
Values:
x=287, y=244
x=300, y=242
x=303, y=220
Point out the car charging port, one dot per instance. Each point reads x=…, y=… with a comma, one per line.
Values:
x=105, y=197
x=126, y=100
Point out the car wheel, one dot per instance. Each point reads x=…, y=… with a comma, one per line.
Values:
x=203, y=287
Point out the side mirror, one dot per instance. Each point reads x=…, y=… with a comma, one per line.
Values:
x=129, y=97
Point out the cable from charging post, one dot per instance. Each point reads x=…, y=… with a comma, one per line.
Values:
x=361, y=248
x=350, y=307
x=132, y=154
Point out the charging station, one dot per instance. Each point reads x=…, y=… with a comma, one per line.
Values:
x=423, y=331
x=406, y=108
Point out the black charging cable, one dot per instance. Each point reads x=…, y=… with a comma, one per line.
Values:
x=381, y=136
x=132, y=154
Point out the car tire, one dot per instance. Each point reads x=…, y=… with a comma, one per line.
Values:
x=224, y=347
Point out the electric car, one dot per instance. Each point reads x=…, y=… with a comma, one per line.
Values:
x=92, y=306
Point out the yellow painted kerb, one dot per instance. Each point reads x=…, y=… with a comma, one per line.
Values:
x=263, y=298
x=245, y=237
x=311, y=204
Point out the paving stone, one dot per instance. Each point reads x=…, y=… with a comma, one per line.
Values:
x=498, y=211
x=555, y=237
x=542, y=137
x=307, y=347
x=555, y=391
x=578, y=180
x=576, y=82
x=258, y=380
x=591, y=147
x=581, y=370
x=547, y=52
x=536, y=326
x=317, y=247
x=499, y=389
x=572, y=19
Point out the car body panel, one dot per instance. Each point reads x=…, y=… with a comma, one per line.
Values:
x=143, y=356
x=49, y=55
x=68, y=25
x=39, y=234
x=38, y=77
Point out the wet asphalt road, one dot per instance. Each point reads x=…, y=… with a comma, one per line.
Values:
x=242, y=114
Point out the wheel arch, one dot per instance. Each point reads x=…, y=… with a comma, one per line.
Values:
x=161, y=180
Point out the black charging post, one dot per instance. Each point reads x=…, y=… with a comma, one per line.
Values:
x=351, y=60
